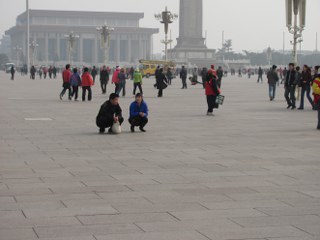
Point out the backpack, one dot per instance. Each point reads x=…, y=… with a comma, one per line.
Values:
x=316, y=86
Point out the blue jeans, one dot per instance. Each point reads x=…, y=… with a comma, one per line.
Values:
x=272, y=91
x=303, y=92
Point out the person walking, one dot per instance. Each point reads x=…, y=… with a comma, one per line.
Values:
x=204, y=73
x=161, y=82
x=316, y=94
x=260, y=73
x=138, y=113
x=137, y=81
x=122, y=82
x=75, y=82
x=86, y=84
x=66, y=76
x=169, y=76
x=115, y=79
x=157, y=75
x=306, y=82
x=273, y=78
x=33, y=72
x=183, y=77
x=290, y=87
x=54, y=72
x=211, y=91
x=12, y=71
x=104, y=79
x=297, y=83
x=94, y=73
x=220, y=75
x=110, y=112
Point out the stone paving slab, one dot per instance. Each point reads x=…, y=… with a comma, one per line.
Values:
x=249, y=172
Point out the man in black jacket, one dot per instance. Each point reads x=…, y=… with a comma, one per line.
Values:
x=183, y=76
x=290, y=87
x=273, y=78
x=110, y=113
x=104, y=79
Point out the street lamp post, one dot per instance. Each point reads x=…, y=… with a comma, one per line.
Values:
x=166, y=18
x=71, y=39
x=33, y=47
x=105, y=33
x=295, y=9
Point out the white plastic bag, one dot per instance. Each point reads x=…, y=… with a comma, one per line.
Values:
x=116, y=128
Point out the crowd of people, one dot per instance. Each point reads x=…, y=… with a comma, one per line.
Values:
x=298, y=83
x=110, y=112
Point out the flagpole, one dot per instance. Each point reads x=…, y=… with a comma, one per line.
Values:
x=28, y=36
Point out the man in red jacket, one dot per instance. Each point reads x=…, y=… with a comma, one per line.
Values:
x=66, y=76
x=86, y=83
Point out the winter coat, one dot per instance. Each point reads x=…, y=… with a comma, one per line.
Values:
x=273, y=77
x=115, y=78
x=104, y=75
x=162, y=82
x=306, y=79
x=75, y=80
x=87, y=80
x=290, y=78
x=66, y=75
x=107, y=110
x=183, y=73
x=137, y=77
x=135, y=109
x=315, y=88
x=122, y=77
x=211, y=87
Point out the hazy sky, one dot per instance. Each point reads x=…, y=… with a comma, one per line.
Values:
x=251, y=24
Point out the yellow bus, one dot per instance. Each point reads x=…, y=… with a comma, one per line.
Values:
x=148, y=67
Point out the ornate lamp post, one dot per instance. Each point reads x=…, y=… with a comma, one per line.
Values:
x=166, y=18
x=105, y=33
x=295, y=9
x=71, y=39
x=33, y=47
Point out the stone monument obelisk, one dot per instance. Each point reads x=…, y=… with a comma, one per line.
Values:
x=190, y=25
x=191, y=46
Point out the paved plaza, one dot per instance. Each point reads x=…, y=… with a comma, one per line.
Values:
x=250, y=172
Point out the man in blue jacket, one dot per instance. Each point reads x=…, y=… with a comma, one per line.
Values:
x=138, y=113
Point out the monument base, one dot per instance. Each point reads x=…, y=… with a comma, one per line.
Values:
x=200, y=57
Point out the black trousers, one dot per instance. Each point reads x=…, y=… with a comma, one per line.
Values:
x=84, y=92
x=103, y=86
x=75, y=90
x=135, y=85
x=289, y=96
x=66, y=86
x=160, y=93
x=138, y=121
x=105, y=122
x=184, y=83
x=211, y=100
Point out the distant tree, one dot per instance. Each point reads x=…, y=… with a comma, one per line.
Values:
x=227, y=46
